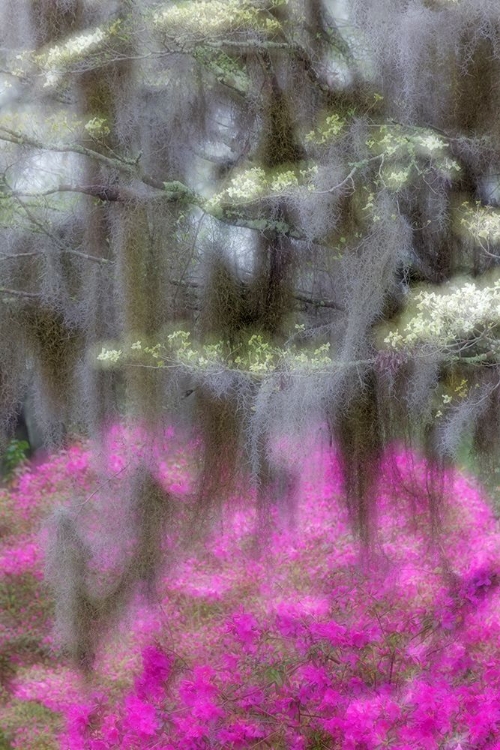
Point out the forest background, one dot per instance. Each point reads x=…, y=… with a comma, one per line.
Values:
x=266, y=233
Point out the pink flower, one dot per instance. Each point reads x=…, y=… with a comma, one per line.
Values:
x=156, y=670
x=140, y=717
x=331, y=631
x=245, y=628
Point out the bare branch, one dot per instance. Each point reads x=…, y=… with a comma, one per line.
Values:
x=19, y=293
x=54, y=238
x=103, y=192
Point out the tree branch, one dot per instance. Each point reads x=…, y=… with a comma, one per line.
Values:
x=172, y=191
x=18, y=293
x=103, y=192
x=318, y=302
x=55, y=239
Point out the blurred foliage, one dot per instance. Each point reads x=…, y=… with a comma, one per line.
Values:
x=14, y=456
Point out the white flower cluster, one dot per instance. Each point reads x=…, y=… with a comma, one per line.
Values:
x=408, y=145
x=97, y=127
x=446, y=320
x=320, y=359
x=397, y=178
x=259, y=359
x=394, y=138
x=247, y=186
x=430, y=142
x=73, y=48
x=331, y=128
x=253, y=184
x=109, y=355
x=283, y=182
x=60, y=56
x=482, y=222
x=212, y=16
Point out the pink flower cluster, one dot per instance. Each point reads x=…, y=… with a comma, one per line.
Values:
x=300, y=648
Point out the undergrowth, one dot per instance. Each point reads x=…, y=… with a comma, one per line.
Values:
x=308, y=644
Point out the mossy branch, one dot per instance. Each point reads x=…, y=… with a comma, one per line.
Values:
x=172, y=191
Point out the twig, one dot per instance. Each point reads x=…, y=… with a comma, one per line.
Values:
x=18, y=293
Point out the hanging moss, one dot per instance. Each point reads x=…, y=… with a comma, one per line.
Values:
x=476, y=80
x=226, y=315
x=357, y=430
x=153, y=509
x=486, y=437
x=85, y=612
x=56, y=346
x=281, y=145
x=220, y=427
x=55, y=19
x=412, y=131
x=271, y=290
x=13, y=375
x=143, y=300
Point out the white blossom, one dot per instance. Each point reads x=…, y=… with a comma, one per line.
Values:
x=447, y=318
x=109, y=355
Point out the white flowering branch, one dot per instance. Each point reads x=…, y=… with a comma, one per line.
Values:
x=453, y=322
x=172, y=191
x=260, y=359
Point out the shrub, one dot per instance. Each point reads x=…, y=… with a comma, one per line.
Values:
x=302, y=648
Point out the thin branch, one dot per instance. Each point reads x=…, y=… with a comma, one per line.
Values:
x=18, y=293
x=245, y=44
x=14, y=256
x=190, y=255
x=318, y=302
x=21, y=139
x=351, y=174
x=171, y=191
x=103, y=192
x=55, y=239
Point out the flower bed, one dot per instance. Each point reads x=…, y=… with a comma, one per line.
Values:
x=297, y=648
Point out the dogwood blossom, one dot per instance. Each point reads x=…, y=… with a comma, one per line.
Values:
x=212, y=17
x=109, y=355
x=451, y=317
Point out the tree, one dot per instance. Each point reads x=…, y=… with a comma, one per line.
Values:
x=260, y=213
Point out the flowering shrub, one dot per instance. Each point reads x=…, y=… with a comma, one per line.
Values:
x=302, y=647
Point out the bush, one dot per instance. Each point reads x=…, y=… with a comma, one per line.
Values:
x=302, y=648
x=14, y=456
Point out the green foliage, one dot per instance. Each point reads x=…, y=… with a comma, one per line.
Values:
x=225, y=68
x=35, y=722
x=4, y=742
x=14, y=456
